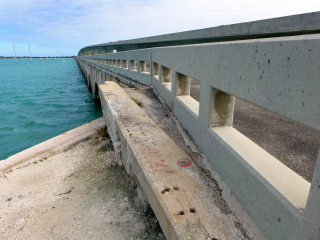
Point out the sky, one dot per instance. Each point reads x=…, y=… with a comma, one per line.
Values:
x=63, y=27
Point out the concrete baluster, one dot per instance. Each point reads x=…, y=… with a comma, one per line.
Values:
x=183, y=85
x=222, y=108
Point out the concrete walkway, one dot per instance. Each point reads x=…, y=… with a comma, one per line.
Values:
x=75, y=191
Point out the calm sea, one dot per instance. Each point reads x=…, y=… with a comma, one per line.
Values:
x=40, y=100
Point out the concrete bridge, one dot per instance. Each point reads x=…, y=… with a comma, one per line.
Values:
x=274, y=64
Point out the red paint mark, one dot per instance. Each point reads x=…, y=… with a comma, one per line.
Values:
x=154, y=165
x=152, y=152
x=162, y=160
x=184, y=162
x=159, y=167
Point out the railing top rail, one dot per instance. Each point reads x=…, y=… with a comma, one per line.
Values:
x=283, y=26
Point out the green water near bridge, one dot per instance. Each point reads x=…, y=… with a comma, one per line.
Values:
x=40, y=100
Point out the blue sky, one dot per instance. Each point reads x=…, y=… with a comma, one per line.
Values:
x=63, y=27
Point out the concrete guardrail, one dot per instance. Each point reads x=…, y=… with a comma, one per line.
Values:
x=274, y=65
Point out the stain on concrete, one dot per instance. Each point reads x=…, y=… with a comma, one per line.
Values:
x=184, y=162
x=221, y=106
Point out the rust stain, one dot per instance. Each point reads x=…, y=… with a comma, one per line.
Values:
x=165, y=190
x=66, y=192
x=179, y=217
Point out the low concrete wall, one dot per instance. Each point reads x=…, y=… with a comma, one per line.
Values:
x=54, y=145
x=278, y=74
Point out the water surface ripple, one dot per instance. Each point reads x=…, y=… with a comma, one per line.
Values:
x=40, y=100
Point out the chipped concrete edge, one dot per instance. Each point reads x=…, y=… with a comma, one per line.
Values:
x=122, y=115
x=53, y=145
x=249, y=226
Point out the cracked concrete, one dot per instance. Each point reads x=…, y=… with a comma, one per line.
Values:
x=221, y=197
x=187, y=210
x=76, y=193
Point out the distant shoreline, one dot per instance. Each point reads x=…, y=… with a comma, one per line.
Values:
x=25, y=57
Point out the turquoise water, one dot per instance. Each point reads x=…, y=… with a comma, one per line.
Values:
x=40, y=100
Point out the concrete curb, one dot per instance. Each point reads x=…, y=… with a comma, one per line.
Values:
x=176, y=192
x=56, y=144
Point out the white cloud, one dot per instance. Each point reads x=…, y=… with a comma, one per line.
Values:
x=76, y=23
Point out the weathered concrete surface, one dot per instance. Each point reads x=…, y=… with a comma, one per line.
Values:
x=178, y=195
x=78, y=193
x=276, y=73
x=239, y=69
x=294, y=144
x=154, y=106
x=56, y=144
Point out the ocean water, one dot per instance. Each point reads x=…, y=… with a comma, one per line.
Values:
x=40, y=100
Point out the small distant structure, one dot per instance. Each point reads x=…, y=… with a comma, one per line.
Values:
x=14, y=49
x=30, y=53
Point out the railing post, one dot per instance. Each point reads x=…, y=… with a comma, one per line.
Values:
x=99, y=77
x=104, y=78
x=183, y=85
x=221, y=108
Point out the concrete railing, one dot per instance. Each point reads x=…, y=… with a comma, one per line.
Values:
x=280, y=74
x=276, y=27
